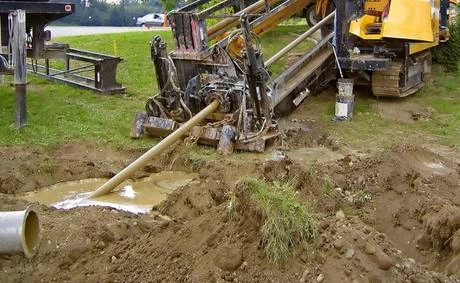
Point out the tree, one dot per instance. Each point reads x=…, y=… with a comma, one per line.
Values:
x=101, y=13
x=169, y=5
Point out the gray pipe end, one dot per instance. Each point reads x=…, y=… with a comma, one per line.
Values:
x=31, y=235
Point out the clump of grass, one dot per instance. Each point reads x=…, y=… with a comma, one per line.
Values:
x=448, y=54
x=287, y=220
x=327, y=186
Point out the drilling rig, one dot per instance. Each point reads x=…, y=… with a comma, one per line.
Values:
x=377, y=43
x=215, y=85
x=224, y=63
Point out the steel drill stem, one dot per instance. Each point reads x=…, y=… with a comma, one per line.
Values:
x=154, y=151
x=299, y=40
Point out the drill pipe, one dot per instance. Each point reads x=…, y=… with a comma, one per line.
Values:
x=124, y=174
x=224, y=25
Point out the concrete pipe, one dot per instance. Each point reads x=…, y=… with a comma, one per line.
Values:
x=19, y=232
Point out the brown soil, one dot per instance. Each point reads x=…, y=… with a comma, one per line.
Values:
x=401, y=222
x=405, y=111
x=387, y=217
x=24, y=168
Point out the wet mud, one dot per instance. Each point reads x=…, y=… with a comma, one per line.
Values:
x=136, y=196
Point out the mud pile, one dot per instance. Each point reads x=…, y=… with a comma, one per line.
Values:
x=392, y=217
x=411, y=195
x=25, y=169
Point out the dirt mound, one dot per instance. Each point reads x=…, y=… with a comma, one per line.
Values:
x=25, y=169
x=442, y=234
x=373, y=213
x=440, y=227
x=73, y=243
x=366, y=255
x=396, y=192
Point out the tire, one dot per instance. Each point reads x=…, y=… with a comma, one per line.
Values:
x=310, y=15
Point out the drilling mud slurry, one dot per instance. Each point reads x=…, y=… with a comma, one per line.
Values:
x=133, y=196
x=319, y=154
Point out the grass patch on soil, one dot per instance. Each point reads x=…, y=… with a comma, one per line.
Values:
x=287, y=220
x=371, y=129
x=444, y=97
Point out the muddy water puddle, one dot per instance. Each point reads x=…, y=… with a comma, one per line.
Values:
x=307, y=154
x=319, y=154
x=138, y=196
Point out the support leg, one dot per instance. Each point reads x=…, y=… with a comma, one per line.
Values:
x=19, y=60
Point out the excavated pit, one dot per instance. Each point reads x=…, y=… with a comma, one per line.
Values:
x=391, y=216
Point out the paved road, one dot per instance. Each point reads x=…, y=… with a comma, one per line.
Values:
x=58, y=31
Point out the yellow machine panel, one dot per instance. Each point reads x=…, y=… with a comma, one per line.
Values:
x=404, y=19
x=417, y=47
x=359, y=27
x=409, y=19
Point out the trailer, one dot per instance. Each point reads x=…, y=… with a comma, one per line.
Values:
x=82, y=68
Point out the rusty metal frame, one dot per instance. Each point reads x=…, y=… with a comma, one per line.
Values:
x=103, y=68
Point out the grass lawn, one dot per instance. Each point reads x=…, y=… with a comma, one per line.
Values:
x=59, y=113
x=367, y=126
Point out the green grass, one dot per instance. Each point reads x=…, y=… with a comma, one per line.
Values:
x=444, y=96
x=287, y=220
x=366, y=125
x=275, y=40
x=369, y=129
x=59, y=113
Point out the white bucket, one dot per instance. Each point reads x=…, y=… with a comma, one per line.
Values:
x=19, y=232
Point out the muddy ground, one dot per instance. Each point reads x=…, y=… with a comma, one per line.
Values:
x=392, y=215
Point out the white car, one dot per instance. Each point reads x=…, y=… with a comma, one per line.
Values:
x=151, y=20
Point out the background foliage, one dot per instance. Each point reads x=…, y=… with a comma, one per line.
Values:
x=448, y=54
x=101, y=13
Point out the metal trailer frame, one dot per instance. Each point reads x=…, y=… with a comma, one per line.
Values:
x=38, y=14
x=102, y=67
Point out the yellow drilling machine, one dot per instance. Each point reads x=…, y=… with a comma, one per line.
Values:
x=215, y=85
x=383, y=43
x=388, y=43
